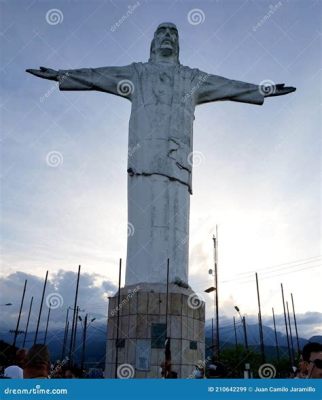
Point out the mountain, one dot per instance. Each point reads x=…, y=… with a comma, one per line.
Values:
x=316, y=339
x=227, y=334
x=94, y=351
x=96, y=341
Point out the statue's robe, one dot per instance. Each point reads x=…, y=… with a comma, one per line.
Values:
x=163, y=98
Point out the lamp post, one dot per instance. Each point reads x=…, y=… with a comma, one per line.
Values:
x=118, y=321
x=236, y=341
x=47, y=323
x=26, y=330
x=295, y=324
x=40, y=308
x=65, y=333
x=85, y=326
x=19, y=315
x=261, y=333
x=276, y=340
x=214, y=345
x=215, y=240
x=243, y=320
x=71, y=345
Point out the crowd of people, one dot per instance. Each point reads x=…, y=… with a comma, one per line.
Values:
x=35, y=364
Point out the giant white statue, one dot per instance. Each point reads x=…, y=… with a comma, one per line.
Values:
x=164, y=94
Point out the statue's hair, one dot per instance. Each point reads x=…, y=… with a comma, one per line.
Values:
x=152, y=48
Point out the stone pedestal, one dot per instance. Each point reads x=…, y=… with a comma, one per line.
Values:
x=142, y=319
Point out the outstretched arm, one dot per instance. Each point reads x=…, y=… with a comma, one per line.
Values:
x=271, y=90
x=114, y=80
x=215, y=88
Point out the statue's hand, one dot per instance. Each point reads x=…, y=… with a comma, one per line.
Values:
x=276, y=90
x=45, y=73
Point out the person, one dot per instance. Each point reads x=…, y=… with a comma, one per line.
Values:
x=15, y=371
x=37, y=362
x=72, y=373
x=301, y=371
x=199, y=372
x=216, y=370
x=312, y=360
x=57, y=371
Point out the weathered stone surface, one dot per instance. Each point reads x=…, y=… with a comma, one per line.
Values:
x=131, y=352
x=140, y=374
x=202, y=312
x=175, y=304
x=196, y=313
x=109, y=370
x=181, y=329
x=124, y=327
x=122, y=355
x=142, y=327
x=133, y=304
x=112, y=305
x=111, y=333
x=175, y=326
x=110, y=350
x=176, y=351
x=190, y=329
x=163, y=302
x=184, y=328
x=200, y=331
x=125, y=305
x=154, y=372
x=155, y=356
x=154, y=303
x=190, y=310
x=142, y=303
x=196, y=323
x=132, y=326
x=184, y=305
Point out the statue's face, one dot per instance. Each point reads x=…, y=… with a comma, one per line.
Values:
x=166, y=39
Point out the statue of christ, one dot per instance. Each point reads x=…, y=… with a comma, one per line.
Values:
x=164, y=94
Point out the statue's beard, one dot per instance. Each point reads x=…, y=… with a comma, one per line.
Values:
x=166, y=50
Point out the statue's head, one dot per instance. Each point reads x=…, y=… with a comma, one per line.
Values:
x=165, y=43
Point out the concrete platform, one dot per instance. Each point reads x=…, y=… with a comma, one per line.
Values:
x=142, y=331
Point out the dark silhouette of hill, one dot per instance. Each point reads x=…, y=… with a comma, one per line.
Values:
x=96, y=341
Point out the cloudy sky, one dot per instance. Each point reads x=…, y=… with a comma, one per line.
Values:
x=259, y=175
